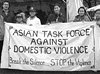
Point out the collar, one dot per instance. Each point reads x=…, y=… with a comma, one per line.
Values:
x=33, y=17
x=5, y=10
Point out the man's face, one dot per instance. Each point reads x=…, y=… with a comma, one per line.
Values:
x=5, y=5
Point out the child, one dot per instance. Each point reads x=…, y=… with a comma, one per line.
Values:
x=33, y=20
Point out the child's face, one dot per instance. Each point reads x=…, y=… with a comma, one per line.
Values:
x=81, y=12
x=32, y=14
x=19, y=19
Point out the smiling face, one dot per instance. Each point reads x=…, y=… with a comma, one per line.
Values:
x=81, y=12
x=32, y=13
x=5, y=5
x=57, y=9
x=19, y=18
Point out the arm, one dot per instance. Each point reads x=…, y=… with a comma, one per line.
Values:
x=75, y=20
x=2, y=27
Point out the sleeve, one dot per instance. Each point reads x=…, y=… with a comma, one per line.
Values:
x=39, y=21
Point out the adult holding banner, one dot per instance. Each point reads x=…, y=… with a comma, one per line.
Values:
x=82, y=15
x=72, y=7
x=56, y=16
x=7, y=14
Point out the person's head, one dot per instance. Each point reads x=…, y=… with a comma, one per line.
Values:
x=6, y=5
x=82, y=11
x=57, y=8
x=97, y=14
x=19, y=18
x=32, y=12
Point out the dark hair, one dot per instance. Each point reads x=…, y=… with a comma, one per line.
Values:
x=28, y=7
x=97, y=10
x=57, y=5
x=82, y=8
x=5, y=1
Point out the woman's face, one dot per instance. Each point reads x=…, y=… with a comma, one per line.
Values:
x=57, y=9
x=81, y=12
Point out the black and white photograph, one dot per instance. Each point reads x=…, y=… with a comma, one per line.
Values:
x=49, y=36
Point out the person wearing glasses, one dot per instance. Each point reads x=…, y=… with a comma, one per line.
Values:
x=7, y=13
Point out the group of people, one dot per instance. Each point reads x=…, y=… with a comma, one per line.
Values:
x=29, y=18
x=6, y=15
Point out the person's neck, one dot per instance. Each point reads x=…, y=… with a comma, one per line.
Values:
x=6, y=10
x=32, y=17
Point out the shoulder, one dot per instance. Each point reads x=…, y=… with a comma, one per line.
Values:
x=28, y=19
x=36, y=18
x=77, y=16
x=52, y=15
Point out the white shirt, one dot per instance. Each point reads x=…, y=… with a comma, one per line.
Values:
x=33, y=22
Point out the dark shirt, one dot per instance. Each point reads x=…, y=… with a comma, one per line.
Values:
x=10, y=17
x=81, y=18
x=55, y=18
x=27, y=14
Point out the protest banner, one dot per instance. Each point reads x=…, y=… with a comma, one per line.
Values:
x=55, y=47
